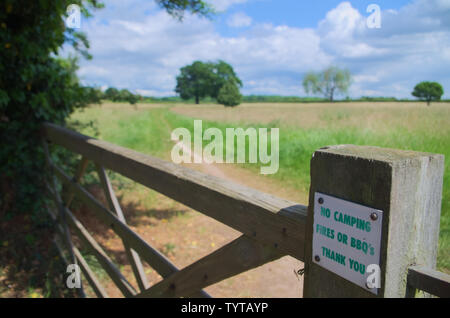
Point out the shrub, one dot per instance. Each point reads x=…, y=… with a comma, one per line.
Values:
x=229, y=95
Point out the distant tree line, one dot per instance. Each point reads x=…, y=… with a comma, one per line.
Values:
x=123, y=95
x=217, y=82
x=280, y=99
x=94, y=95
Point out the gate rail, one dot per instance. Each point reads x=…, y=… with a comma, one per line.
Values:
x=430, y=281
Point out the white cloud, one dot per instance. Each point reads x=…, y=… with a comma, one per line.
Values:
x=147, y=54
x=144, y=52
x=341, y=22
x=410, y=47
x=339, y=29
x=366, y=79
x=239, y=20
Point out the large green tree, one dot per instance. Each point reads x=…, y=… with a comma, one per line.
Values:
x=205, y=79
x=195, y=81
x=328, y=82
x=36, y=86
x=428, y=91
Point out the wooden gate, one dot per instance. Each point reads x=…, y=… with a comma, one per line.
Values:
x=271, y=227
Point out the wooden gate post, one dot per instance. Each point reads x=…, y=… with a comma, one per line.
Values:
x=405, y=185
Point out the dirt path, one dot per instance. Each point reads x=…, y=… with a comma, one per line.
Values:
x=275, y=279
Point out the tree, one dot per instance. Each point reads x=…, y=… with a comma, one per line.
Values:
x=229, y=94
x=127, y=96
x=36, y=86
x=428, y=91
x=328, y=82
x=195, y=81
x=224, y=73
x=133, y=98
x=112, y=93
x=94, y=95
x=200, y=80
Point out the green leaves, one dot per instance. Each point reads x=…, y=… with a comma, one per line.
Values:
x=196, y=81
x=200, y=80
x=36, y=85
x=176, y=8
x=229, y=94
x=328, y=82
x=428, y=91
x=123, y=95
x=4, y=99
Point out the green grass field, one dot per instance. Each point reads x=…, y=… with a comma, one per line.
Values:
x=303, y=129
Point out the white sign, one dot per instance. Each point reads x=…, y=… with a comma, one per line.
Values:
x=347, y=239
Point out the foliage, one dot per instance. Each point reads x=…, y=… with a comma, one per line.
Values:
x=200, y=80
x=111, y=94
x=126, y=95
x=224, y=73
x=377, y=99
x=123, y=95
x=279, y=99
x=177, y=8
x=195, y=81
x=428, y=91
x=36, y=86
x=229, y=94
x=328, y=82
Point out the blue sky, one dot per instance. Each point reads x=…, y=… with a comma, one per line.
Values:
x=295, y=13
x=272, y=44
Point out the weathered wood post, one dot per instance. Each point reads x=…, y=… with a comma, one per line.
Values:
x=401, y=190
